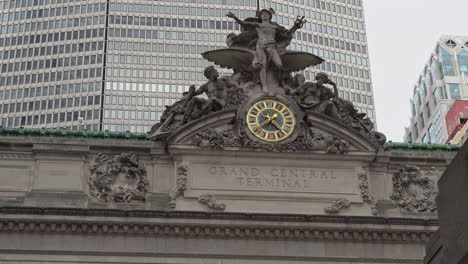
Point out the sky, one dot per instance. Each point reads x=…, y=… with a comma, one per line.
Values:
x=401, y=35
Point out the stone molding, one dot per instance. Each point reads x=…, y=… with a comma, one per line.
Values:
x=340, y=130
x=266, y=230
x=13, y=155
x=298, y=218
x=187, y=131
x=210, y=231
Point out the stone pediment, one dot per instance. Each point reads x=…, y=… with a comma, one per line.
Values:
x=217, y=120
x=336, y=128
x=223, y=130
x=222, y=158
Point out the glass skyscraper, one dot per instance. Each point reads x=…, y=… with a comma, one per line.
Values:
x=443, y=80
x=114, y=65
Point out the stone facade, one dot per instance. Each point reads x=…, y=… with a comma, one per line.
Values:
x=194, y=203
x=450, y=243
x=260, y=166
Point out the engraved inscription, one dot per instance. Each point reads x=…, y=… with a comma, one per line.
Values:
x=231, y=177
x=273, y=177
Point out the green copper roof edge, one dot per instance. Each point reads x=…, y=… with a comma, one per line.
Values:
x=43, y=132
x=415, y=147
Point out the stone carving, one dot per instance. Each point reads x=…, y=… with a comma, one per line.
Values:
x=118, y=178
x=351, y=117
x=216, y=139
x=181, y=186
x=337, y=145
x=262, y=66
x=365, y=193
x=309, y=139
x=314, y=96
x=337, y=206
x=265, y=56
x=216, y=91
x=210, y=201
x=222, y=93
x=414, y=190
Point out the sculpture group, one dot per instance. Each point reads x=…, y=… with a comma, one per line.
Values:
x=262, y=66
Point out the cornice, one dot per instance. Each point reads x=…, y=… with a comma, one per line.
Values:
x=16, y=155
x=127, y=136
x=63, y=133
x=23, y=210
x=215, y=224
x=418, y=147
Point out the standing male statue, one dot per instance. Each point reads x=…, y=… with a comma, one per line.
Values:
x=268, y=47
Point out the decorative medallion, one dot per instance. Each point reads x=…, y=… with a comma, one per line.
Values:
x=415, y=189
x=271, y=120
x=118, y=178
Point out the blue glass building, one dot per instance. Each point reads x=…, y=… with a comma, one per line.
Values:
x=443, y=80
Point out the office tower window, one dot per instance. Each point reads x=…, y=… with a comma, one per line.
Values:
x=446, y=61
x=152, y=50
x=454, y=91
x=463, y=61
x=440, y=84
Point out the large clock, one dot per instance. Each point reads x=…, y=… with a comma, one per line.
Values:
x=271, y=120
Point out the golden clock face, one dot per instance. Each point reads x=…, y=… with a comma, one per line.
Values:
x=271, y=120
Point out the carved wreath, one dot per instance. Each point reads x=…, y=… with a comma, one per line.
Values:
x=413, y=191
x=117, y=178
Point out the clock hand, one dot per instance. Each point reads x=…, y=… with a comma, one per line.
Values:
x=268, y=120
x=262, y=125
x=277, y=126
